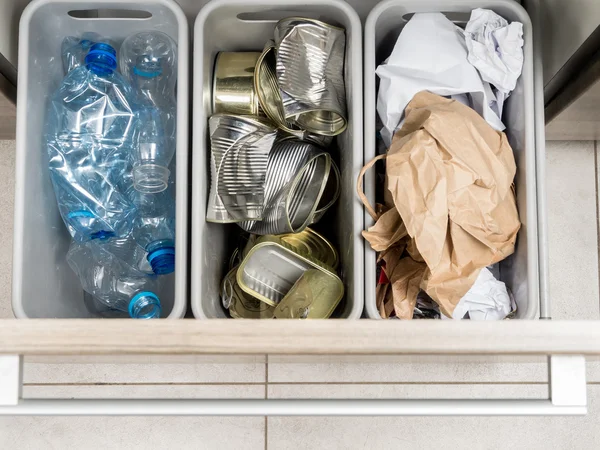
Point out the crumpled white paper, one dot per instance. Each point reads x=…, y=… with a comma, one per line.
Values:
x=495, y=48
x=488, y=299
x=431, y=54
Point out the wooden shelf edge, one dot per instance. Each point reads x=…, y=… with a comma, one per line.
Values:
x=370, y=337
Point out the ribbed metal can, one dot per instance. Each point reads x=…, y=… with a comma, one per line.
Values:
x=233, y=83
x=310, y=74
x=297, y=176
x=240, y=147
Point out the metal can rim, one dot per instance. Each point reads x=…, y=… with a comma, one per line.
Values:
x=296, y=180
x=309, y=19
x=337, y=131
x=266, y=106
x=248, y=118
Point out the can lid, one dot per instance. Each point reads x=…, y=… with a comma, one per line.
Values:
x=315, y=295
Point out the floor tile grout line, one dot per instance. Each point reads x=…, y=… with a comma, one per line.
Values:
x=266, y=397
x=408, y=383
x=597, y=213
x=292, y=383
x=116, y=383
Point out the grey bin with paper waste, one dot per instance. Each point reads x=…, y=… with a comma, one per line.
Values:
x=237, y=26
x=519, y=271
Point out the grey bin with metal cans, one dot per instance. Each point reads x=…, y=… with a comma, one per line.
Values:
x=237, y=26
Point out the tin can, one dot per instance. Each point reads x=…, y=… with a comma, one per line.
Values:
x=310, y=74
x=330, y=195
x=308, y=243
x=272, y=267
x=240, y=304
x=314, y=296
x=267, y=90
x=297, y=176
x=233, y=89
x=312, y=244
x=240, y=147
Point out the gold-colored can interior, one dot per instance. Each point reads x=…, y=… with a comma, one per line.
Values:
x=233, y=84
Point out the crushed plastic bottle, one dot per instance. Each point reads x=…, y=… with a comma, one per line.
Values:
x=148, y=60
x=74, y=49
x=154, y=228
x=114, y=282
x=91, y=132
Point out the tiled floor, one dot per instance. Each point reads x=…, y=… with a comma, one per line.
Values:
x=573, y=228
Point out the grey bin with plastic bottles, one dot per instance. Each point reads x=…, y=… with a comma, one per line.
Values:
x=44, y=286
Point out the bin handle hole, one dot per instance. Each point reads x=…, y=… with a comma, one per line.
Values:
x=457, y=17
x=270, y=15
x=110, y=14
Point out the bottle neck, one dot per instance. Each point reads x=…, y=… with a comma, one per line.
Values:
x=145, y=305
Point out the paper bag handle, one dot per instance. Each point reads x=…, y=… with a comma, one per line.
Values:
x=359, y=186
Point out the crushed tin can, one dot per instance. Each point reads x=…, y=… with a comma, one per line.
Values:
x=330, y=194
x=267, y=90
x=233, y=89
x=272, y=266
x=310, y=74
x=239, y=303
x=297, y=176
x=240, y=147
x=314, y=296
x=269, y=98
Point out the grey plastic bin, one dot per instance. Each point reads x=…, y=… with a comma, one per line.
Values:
x=44, y=286
x=234, y=25
x=521, y=270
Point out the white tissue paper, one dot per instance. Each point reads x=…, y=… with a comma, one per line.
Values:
x=495, y=48
x=431, y=54
x=488, y=299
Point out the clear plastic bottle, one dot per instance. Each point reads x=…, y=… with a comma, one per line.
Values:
x=91, y=132
x=129, y=252
x=74, y=49
x=149, y=61
x=114, y=282
x=154, y=228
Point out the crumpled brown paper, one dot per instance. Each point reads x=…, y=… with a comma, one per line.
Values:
x=450, y=177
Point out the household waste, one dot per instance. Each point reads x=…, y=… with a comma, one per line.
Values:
x=448, y=214
x=276, y=113
x=110, y=137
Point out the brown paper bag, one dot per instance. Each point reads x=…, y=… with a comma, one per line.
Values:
x=387, y=231
x=450, y=176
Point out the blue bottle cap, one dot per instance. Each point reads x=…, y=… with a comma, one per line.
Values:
x=145, y=305
x=162, y=259
x=101, y=59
